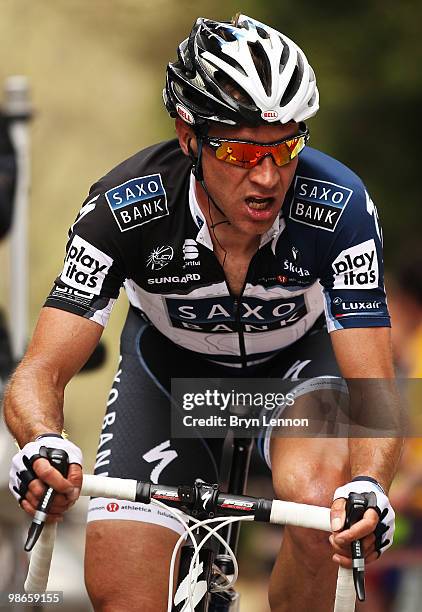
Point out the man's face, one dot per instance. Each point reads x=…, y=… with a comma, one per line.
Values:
x=251, y=198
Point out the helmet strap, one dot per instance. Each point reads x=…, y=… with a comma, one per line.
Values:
x=205, y=188
x=196, y=159
x=199, y=175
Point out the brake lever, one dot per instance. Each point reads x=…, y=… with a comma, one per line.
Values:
x=356, y=506
x=59, y=459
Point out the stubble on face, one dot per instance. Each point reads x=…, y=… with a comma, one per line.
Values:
x=234, y=188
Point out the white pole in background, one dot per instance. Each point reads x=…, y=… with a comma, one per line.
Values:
x=17, y=109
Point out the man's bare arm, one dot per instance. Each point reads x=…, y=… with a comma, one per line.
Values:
x=366, y=354
x=61, y=344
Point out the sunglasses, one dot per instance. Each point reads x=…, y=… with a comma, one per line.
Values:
x=247, y=154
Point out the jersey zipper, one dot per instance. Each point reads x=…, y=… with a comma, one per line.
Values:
x=239, y=325
x=237, y=304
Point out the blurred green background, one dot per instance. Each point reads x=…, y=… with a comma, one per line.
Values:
x=96, y=69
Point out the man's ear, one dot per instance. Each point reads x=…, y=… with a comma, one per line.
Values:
x=186, y=137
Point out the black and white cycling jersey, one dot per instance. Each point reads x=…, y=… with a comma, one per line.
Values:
x=141, y=227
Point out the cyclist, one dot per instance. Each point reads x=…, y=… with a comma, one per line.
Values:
x=228, y=240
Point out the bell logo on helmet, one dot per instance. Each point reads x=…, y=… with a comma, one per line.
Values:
x=270, y=115
x=186, y=115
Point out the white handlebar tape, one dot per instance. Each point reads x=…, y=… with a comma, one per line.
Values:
x=345, y=591
x=39, y=564
x=315, y=517
x=40, y=561
x=300, y=515
x=103, y=486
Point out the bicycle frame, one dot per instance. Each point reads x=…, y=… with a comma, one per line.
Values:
x=213, y=554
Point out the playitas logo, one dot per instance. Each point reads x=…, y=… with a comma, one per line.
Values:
x=85, y=266
x=357, y=267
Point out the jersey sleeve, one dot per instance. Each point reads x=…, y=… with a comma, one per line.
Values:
x=94, y=264
x=352, y=272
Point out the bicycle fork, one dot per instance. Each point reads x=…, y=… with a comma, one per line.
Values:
x=212, y=570
x=202, y=575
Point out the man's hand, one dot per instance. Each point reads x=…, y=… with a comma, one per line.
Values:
x=362, y=530
x=375, y=529
x=30, y=475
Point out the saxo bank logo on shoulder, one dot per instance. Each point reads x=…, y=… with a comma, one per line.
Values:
x=319, y=203
x=138, y=201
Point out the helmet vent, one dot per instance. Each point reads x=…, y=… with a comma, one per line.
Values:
x=284, y=55
x=193, y=100
x=226, y=33
x=262, y=65
x=198, y=81
x=312, y=100
x=262, y=33
x=235, y=64
x=181, y=51
x=234, y=90
x=294, y=83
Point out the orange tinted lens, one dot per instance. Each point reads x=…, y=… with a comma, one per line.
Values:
x=236, y=153
x=288, y=150
x=247, y=155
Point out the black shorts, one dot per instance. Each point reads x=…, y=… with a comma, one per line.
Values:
x=136, y=441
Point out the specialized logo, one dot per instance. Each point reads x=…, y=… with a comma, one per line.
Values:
x=199, y=588
x=85, y=266
x=357, y=267
x=220, y=314
x=86, y=208
x=206, y=498
x=190, y=253
x=138, y=201
x=160, y=257
x=319, y=203
x=344, y=308
x=187, y=278
x=162, y=453
x=295, y=370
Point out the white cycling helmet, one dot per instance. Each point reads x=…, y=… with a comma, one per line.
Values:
x=242, y=73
